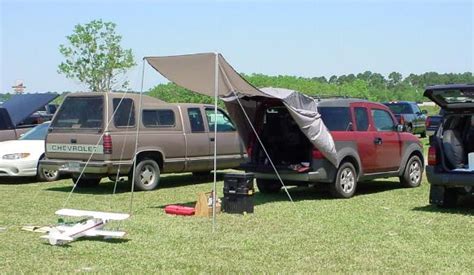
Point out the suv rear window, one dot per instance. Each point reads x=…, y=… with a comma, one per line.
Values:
x=80, y=113
x=336, y=118
x=400, y=108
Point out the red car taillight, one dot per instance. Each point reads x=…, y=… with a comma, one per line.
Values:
x=402, y=120
x=249, y=151
x=432, y=156
x=428, y=122
x=107, y=143
x=316, y=154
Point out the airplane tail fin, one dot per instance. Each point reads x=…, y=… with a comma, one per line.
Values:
x=55, y=237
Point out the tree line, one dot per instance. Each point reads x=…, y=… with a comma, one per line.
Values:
x=367, y=85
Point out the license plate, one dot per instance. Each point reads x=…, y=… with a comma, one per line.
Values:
x=73, y=167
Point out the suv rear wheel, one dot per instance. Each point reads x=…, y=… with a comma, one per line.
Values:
x=345, y=184
x=147, y=174
x=86, y=182
x=413, y=173
x=268, y=186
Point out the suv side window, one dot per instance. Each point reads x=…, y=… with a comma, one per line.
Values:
x=195, y=120
x=159, y=118
x=362, y=119
x=124, y=112
x=382, y=120
x=224, y=124
x=336, y=118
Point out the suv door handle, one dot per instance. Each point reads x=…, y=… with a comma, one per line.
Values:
x=212, y=139
x=377, y=141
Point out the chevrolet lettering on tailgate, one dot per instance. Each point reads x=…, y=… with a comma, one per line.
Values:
x=74, y=148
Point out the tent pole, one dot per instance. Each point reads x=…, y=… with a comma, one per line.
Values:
x=134, y=167
x=216, y=88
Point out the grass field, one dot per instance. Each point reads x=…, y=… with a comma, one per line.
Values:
x=384, y=228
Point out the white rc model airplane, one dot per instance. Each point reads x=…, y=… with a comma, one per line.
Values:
x=92, y=226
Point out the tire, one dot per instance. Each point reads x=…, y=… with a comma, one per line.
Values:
x=413, y=173
x=46, y=175
x=345, y=184
x=268, y=186
x=450, y=198
x=85, y=182
x=147, y=175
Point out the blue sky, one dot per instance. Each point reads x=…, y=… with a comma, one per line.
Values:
x=303, y=38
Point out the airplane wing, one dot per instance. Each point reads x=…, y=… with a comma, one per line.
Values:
x=94, y=214
x=106, y=233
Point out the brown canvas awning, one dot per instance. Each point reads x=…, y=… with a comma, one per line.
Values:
x=196, y=72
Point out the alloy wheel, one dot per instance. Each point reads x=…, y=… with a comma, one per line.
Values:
x=415, y=172
x=347, y=180
x=147, y=176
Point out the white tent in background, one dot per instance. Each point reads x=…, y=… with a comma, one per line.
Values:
x=210, y=74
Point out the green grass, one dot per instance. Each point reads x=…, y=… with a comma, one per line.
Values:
x=384, y=228
x=432, y=110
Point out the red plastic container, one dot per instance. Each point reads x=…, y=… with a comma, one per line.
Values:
x=179, y=210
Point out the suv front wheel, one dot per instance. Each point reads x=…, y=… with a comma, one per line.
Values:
x=413, y=173
x=345, y=184
x=147, y=174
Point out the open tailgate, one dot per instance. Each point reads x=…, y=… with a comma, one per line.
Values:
x=457, y=97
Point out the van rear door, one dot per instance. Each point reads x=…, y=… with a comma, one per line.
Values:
x=76, y=130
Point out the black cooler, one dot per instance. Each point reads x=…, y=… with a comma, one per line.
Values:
x=238, y=193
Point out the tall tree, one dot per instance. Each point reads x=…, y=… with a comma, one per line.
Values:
x=94, y=56
x=394, y=78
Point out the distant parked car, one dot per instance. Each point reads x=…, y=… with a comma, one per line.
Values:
x=20, y=158
x=432, y=124
x=409, y=114
x=20, y=113
x=369, y=143
x=448, y=169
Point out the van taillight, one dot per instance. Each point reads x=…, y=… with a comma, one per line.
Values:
x=432, y=156
x=107, y=142
x=317, y=154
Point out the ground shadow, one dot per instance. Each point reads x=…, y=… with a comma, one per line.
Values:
x=317, y=192
x=172, y=181
x=167, y=181
x=102, y=189
x=24, y=180
x=465, y=206
x=321, y=192
x=18, y=180
x=99, y=239
x=376, y=186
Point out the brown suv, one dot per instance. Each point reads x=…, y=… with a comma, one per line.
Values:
x=95, y=133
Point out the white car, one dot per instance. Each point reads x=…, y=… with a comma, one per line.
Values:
x=20, y=158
